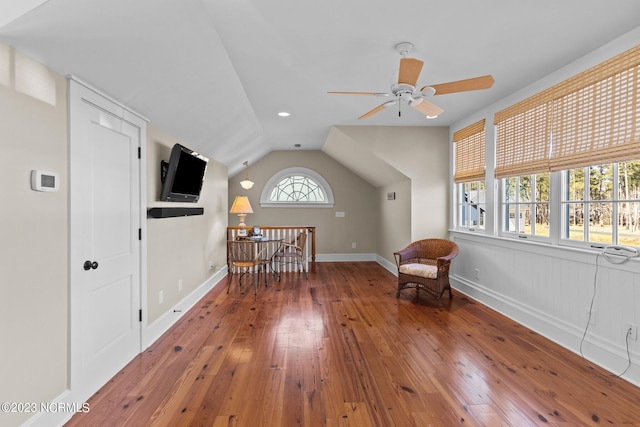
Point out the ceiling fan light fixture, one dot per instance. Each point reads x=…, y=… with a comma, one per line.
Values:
x=284, y=114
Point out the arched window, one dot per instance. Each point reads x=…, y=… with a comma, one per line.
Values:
x=297, y=187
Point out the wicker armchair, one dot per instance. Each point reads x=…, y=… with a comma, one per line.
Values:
x=424, y=264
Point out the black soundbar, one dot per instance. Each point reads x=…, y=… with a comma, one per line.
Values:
x=164, y=212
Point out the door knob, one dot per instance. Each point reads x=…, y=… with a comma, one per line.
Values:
x=88, y=265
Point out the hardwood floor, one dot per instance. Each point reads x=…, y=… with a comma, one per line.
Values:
x=341, y=350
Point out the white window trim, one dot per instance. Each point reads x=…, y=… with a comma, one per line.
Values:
x=459, y=205
x=501, y=213
x=309, y=173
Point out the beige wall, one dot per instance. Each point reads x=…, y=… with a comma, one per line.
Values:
x=419, y=153
x=353, y=196
x=182, y=248
x=394, y=231
x=34, y=239
x=33, y=246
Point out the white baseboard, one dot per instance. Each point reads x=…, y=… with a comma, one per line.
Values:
x=153, y=331
x=608, y=355
x=55, y=418
x=390, y=266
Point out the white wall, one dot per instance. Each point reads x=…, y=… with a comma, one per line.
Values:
x=546, y=287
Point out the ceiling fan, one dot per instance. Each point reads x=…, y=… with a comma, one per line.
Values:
x=405, y=90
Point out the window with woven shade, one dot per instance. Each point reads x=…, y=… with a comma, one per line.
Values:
x=469, y=144
x=587, y=127
x=591, y=117
x=469, y=152
x=596, y=115
x=523, y=138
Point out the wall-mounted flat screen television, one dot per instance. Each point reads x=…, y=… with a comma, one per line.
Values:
x=183, y=175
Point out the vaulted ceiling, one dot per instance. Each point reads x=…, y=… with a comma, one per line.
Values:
x=215, y=73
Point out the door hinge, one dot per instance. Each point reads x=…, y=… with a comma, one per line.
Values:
x=140, y=315
x=139, y=152
x=140, y=234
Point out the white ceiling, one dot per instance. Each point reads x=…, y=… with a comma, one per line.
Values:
x=215, y=73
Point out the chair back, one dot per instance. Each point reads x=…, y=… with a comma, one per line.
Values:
x=300, y=242
x=241, y=251
x=436, y=248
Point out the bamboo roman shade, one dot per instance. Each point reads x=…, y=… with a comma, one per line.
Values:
x=469, y=149
x=593, y=116
x=522, y=140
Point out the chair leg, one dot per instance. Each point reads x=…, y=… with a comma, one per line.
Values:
x=264, y=271
x=229, y=279
x=256, y=279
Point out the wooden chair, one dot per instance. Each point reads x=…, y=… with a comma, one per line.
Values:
x=424, y=264
x=244, y=258
x=292, y=253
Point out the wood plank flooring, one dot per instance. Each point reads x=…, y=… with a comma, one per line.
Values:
x=340, y=349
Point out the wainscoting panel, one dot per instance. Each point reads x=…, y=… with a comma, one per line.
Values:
x=550, y=289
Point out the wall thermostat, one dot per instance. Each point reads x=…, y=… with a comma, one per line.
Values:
x=45, y=181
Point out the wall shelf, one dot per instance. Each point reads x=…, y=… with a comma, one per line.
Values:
x=171, y=212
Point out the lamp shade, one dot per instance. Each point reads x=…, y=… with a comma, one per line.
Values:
x=241, y=205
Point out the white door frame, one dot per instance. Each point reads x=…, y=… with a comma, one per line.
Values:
x=117, y=109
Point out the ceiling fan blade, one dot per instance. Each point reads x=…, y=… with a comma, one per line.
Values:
x=427, y=108
x=410, y=69
x=372, y=112
x=360, y=93
x=476, y=83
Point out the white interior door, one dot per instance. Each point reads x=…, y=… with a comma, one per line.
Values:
x=105, y=243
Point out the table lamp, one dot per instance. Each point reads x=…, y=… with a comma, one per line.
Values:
x=242, y=207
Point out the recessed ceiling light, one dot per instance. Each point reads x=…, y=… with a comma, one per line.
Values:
x=284, y=114
x=432, y=117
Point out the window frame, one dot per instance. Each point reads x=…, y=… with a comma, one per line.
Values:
x=310, y=174
x=615, y=200
x=463, y=207
x=532, y=203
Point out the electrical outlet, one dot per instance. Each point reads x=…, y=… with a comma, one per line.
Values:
x=210, y=265
x=179, y=284
x=353, y=245
x=632, y=330
x=160, y=297
x=477, y=275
